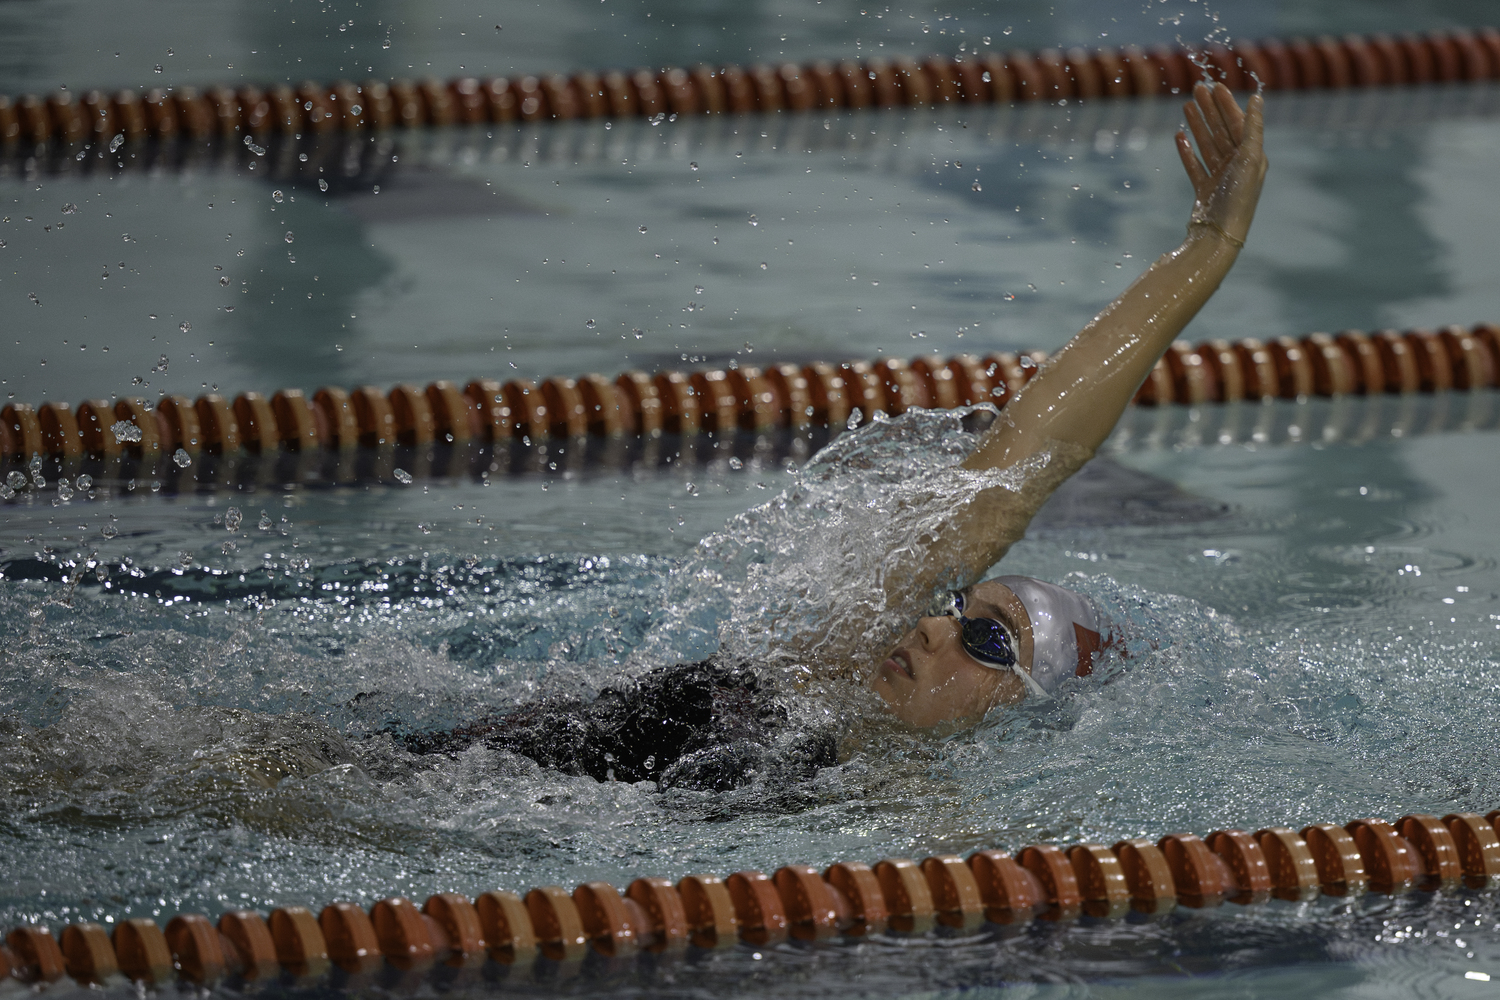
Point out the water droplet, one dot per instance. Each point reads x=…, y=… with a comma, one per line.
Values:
x=976, y=186
x=1077, y=186
x=590, y=324
x=6, y=493
x=385, y=44
x=265, y=522
x=109, y=531
x=697, y=289
x=181, y=458
x=16, y=481
x=323, y=184
x=185, y=326
x=290, y=236
x=764, y=265
x=85, y=482
x=736, y=464
x=170, y=52
x=124, y=430
x=754, y=221
x=117, y=142
x=224, y=281
x=157, y=69
x=854, y=418
x=232, y=519
x=403, y=477
x=33, y=298
x=64, y=491
x=643, y=230
x=692, y=166
x=638, y=333
x=69, y=208
x=425, y=529
x=1127, y=184
x=1030, y=286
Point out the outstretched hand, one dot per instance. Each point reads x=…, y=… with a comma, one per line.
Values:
x=1227, y=180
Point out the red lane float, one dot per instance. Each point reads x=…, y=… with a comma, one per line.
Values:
x=1418, y=852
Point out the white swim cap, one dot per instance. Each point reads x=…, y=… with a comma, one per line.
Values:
x=1064, y=630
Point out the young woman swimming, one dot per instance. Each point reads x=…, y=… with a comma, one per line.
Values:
x=817, y=606
x=997, y=640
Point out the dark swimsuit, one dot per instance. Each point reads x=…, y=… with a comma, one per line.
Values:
x=701, y=726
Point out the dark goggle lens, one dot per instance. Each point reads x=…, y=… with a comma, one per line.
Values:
x=986, y=641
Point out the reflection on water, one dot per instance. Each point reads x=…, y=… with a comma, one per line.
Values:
x=491, y=252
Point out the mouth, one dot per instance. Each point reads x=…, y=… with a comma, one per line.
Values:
x=900, y=663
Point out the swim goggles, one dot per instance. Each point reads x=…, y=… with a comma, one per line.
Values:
x=985, y=639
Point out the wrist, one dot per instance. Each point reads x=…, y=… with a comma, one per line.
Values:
x=1214, y=231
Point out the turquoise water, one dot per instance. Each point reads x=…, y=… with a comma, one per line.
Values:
x=1313, y=615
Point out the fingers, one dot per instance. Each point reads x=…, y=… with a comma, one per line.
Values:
x=1202, y=182
x=1220, y=126
x=1229, y=109
x=1207, y=99
x=1208, y=145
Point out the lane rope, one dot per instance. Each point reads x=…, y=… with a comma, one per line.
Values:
x=1323, y=63
x=368, y=423
x=849, y=900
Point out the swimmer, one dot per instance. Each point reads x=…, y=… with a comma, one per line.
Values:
x=717, y=725
x=995, y=642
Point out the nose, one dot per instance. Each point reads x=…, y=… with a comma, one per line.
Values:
x=936, y=631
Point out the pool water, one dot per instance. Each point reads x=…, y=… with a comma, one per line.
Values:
x=206, y=688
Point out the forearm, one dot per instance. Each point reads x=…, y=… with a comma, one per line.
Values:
x=1080, y=392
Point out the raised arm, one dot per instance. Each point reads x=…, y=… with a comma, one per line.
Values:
x=1080, y=392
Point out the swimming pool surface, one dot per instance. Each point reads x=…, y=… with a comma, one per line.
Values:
x=196, y=717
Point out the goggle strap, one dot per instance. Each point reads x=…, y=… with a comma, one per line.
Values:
x=1030, y=682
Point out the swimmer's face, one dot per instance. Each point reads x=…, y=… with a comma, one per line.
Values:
x=930, y=679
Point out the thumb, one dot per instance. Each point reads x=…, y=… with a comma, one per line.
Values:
x=1255, y=123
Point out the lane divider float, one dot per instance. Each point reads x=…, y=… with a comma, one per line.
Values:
x=848, y=900
x=1323, y=63
x=721, y=401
